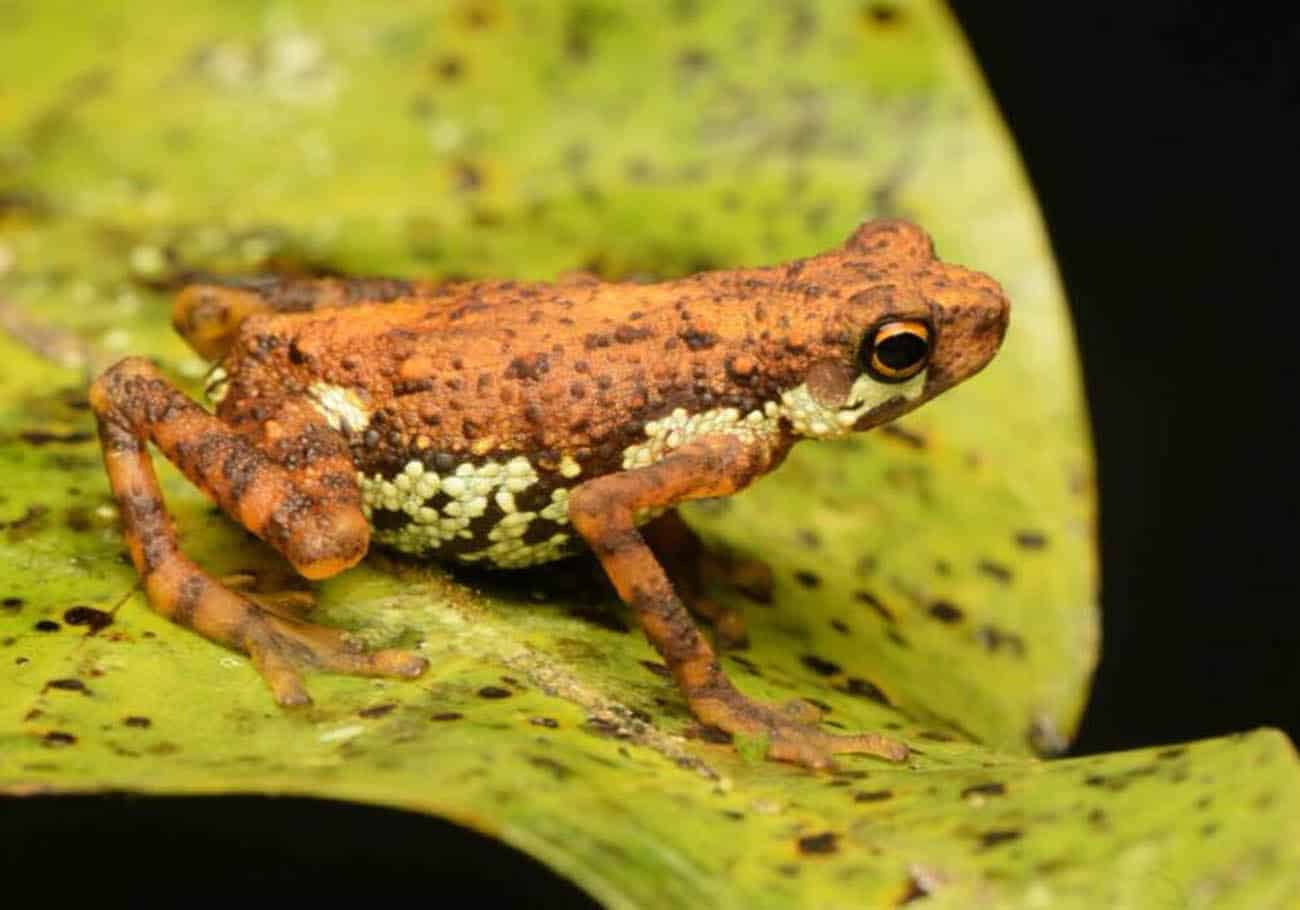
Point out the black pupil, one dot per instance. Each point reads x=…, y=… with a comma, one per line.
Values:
x=902, y=350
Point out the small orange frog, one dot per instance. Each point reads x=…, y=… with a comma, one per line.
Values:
x=507, y=424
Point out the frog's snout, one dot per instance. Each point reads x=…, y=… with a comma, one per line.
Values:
x=971, y=315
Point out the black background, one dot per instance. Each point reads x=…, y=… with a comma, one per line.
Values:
x=1161, y=139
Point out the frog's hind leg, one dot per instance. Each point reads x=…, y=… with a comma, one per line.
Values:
x=318, y=525
x=207, y=313
x=691, y=567
x=603, y=511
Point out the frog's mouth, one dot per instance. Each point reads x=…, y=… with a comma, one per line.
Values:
x=872, y=402
x=883, y=413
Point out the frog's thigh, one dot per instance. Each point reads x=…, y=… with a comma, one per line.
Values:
x=208, y=314
x=316, y=523
x=134, y=404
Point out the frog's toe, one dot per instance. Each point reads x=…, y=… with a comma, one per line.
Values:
x=811, y=747
x=281, y=647
x=791, y=731
x=398, y=662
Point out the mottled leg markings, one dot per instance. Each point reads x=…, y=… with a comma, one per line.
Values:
x=287, y=604
x=207, y=314
x=687, y=563
x=603, y=511
x=135, y=405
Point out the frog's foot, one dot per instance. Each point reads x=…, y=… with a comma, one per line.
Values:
x=281, y=647
x=789, y=729
x=292, y=603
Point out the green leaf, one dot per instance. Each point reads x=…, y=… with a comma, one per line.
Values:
x=936, y=579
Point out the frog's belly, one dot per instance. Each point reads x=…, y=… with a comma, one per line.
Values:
x=499, y=513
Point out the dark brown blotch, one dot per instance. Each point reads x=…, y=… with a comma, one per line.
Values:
x=946, y=612
x=820, y=665
x=995, y=570
x=697, y=339
x=864, y=688
x=999, y=836
x=91, y=618
x=993, y=788
x=876, y=604
x=378, y=710
x=808, y=579
x=1031, y=540
x=826, y=842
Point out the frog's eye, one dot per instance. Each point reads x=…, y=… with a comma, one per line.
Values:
x=897, y=350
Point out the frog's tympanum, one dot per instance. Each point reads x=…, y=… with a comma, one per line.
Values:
x=508, y=424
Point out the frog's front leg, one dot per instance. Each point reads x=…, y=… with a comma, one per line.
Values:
x=312, y=515
x=603, y=511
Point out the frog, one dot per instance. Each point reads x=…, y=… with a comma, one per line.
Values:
x=507, y=424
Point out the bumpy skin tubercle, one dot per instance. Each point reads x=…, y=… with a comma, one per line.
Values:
x=506, y=424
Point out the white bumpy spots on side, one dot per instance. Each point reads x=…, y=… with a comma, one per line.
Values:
x=806, y=416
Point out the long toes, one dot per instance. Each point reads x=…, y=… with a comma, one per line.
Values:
x=800, y=750
x=280, y=674
x=870, y=744
x=398, y=662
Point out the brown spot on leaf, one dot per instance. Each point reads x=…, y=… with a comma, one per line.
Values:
x=995, y=570
x=91, y=618
x=946, y=612
x=993, y=788
x=807, y=579
x=820, y=665
x=1031, y=540
x=862, y=688
x=826, y=842
x=377, y=710
x=999, y=836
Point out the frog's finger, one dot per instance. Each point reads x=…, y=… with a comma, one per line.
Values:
x=300, y=644
x=813, y=748
x=280, y=675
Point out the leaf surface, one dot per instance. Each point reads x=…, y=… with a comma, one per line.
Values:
x=936, y=579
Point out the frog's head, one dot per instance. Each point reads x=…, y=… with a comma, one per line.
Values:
x=910, y=327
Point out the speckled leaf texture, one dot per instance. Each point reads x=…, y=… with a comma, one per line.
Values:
x=937, y=579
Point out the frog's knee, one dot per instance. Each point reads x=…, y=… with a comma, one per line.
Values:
x=325, y=544
x=113, y=388
x=208, y=316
